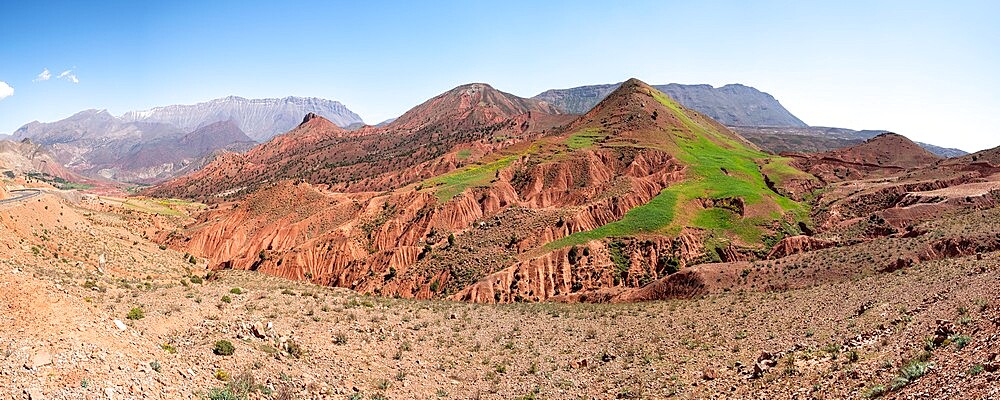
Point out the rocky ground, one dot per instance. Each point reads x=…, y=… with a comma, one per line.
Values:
x=148, y=323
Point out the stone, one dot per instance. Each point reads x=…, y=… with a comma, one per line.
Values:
x=258, y=330
x=39, y=360
x=709, y=374
x=35, y=394
x=120, y=325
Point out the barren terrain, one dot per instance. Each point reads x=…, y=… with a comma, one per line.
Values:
x=297, y=340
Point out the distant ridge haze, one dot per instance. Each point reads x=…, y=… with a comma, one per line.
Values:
x=732, y=105
x=261, y=119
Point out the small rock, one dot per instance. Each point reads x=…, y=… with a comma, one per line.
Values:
x=258, y=330
x=120, y=325
x=709, y=374
x=40, y=359
x=581, y=363
x=35, y=394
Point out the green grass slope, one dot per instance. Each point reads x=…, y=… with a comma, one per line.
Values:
x=719, y=165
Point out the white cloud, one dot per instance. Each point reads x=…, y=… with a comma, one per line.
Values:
x=5, y=90
x=69, y=76
x=44, y=76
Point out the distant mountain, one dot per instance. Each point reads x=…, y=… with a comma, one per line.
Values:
x=819, y=139
x=373, y=158
x=946, y=152
x=756, y=115
x=260, y=119
x=97, y=144
x=25, y=158
x=732, y=105
x=165, y=158
x=160, y=143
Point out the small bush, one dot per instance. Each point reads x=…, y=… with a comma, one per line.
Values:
x=169, y=348
x=221, y=394
x=236, y=290
x=910, y=372
x=976, y=369
x=961, y=341
x=196, y=279
x=136, y=314
x=155, y=365
x=222, y=375
x=874, y=392
x=223, y=348
x=294, y=349
x=226, y=299
x=340, y=339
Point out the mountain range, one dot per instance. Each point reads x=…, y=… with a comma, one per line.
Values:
x=260, y=119
x=732, y=105
x=758, y=116
x=153, y=145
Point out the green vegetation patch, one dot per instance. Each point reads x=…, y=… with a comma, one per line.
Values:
x=583, y=139
x=718, y=167
x=464, y=154
x=780, y=170
x=58, y=182
x=452, y=184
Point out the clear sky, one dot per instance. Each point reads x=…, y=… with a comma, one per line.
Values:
x=926, y=69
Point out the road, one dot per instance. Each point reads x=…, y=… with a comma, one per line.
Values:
x=21, y=195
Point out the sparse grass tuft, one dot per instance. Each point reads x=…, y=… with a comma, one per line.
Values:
x=135, y=313
x=223, y=348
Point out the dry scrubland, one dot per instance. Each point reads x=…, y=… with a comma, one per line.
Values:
x=927, y=331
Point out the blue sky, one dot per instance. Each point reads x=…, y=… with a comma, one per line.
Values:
x=928, y=70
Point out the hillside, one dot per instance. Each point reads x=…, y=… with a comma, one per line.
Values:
x=753, y=114
x=637, y=174
x=420, y=144
x=261, y=119
x=815, y=139
x=154, y=161
x=731, y=105
x=881, y=155
x=25, y=159
x=92, y=307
